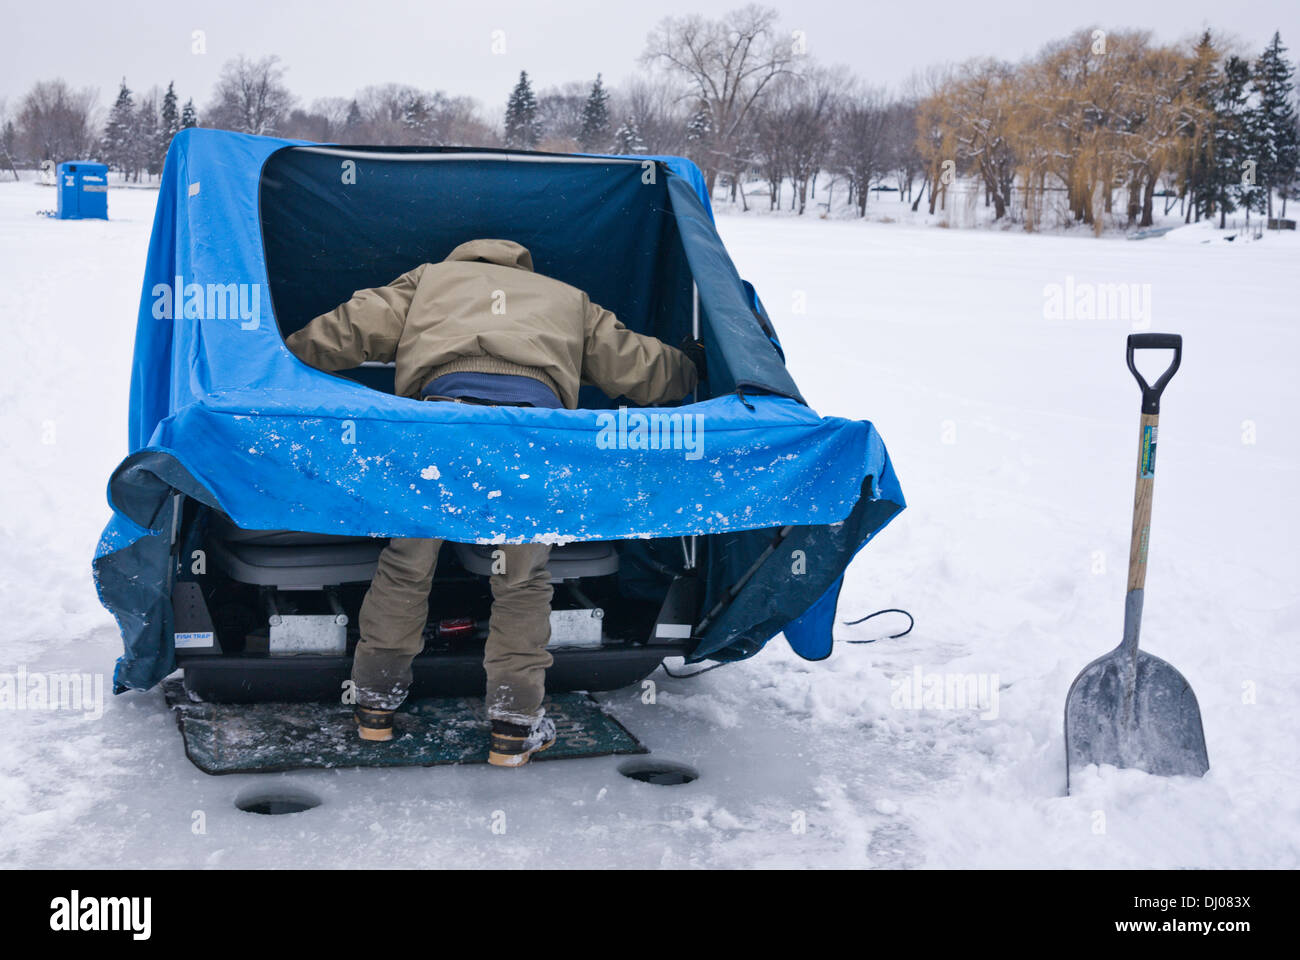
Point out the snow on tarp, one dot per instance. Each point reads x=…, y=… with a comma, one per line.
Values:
x=222, y=412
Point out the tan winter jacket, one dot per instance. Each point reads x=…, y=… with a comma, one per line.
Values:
x=484, y=310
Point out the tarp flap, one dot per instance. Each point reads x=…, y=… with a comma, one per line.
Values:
x=494, y=474
x=751, y=359
x=221, y=411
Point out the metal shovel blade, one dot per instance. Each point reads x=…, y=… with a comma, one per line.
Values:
x=1134, y=711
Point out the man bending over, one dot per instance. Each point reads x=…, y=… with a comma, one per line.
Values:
x=482, y=327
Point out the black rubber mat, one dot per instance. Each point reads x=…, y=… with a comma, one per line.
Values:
x=266, y=737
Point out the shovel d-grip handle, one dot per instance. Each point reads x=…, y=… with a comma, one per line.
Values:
x=1154, y=341
x=1146, y=468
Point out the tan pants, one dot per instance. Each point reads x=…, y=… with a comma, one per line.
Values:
x=396, y=607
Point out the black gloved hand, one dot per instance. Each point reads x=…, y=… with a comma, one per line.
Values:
x=694, y=350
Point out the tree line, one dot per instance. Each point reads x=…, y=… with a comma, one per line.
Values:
x=1101, y=117
x=1090, y=130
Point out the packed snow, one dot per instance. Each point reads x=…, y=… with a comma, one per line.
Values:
x=1012, y=426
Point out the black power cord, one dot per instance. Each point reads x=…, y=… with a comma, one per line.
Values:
x=911, y=622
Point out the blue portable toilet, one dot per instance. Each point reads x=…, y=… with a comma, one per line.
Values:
x=83, y=191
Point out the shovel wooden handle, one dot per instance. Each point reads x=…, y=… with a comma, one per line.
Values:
x=1147, y=434
x=1137, y=551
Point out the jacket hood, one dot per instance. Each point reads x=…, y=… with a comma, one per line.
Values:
x=507, y=253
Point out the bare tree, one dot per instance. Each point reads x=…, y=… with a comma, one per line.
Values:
x=55, y=122
x=460, y=123
x=334, y=110
x=250, y=97
x=862, y=148
x=8, y=130
x=792, y=130
x=306, y=125
x=818, y=94
x=727, y=65
x=381, y=110
x=392, y=114
x=900, y=145
x=559, y=114
x=436, y=119
x=653, y=107
x=771, y=142
x=326, y=119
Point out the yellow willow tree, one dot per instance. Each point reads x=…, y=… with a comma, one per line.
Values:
x=1084, y=87
x=976, y=115
x=1034, y=140
x=1153, y=122
x=934, y=135
x=1091, y=115
x=1060, y=72
x=1109, y=109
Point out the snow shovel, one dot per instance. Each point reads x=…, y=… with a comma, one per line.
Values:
x=1128, y=708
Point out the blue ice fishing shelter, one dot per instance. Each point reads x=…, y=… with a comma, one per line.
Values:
x=236, y=446
x=83, y=191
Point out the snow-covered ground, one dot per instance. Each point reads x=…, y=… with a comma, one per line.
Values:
x=1013, y=432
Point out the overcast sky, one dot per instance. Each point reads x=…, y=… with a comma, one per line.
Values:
x=334, y=47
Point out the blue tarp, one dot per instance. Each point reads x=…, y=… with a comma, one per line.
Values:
x=223, y=413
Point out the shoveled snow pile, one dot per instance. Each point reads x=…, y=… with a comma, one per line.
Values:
x=1013, y=427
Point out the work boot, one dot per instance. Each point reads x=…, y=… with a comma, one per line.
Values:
x=513, y=743
x=374, y=725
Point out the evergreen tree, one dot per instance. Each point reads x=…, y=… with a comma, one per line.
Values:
x=595, y=118
x=1239, y=141
x=119, y=132
x=144, y=142
x=1202, y=82
x=189, y=118
x=353, y=121
x=169, y=124
x=1292, y=190
x=416, y=118
x=1272, y=121
x=1235, y=146
x=627, y=138
x=521, y=115
x=700, y=125
x=699, y=133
